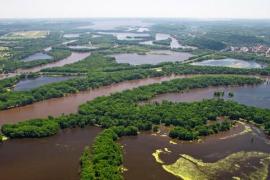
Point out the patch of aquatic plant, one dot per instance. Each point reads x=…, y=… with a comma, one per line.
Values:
x=187, y=167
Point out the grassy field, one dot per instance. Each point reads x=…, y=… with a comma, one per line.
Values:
x=26, y=35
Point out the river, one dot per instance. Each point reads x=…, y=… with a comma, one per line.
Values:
x=57, y=157
x=70, y=103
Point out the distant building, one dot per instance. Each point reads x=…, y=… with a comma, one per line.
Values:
x=244, y=49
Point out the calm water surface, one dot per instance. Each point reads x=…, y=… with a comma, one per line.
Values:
x=143, y=29
x=228, y=62
x=112, y=24
x=174, y=42
x=126, y=36
x=28, y=84
x=37, y=56
x=153, y=57
x=82, y=47
x=71, y=35
x=258, y=96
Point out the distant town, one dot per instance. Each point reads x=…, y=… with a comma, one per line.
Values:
x=259, y=49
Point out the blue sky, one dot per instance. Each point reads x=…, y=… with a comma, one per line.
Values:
x=135, y=8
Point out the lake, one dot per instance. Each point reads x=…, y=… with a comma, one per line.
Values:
x=126, y=36
x=174, y=42
x=71, y=35
x=112, y=24
x=138, y=29
x=37, y=56
x=229, y=62
x=28, y=84
x=153, y=57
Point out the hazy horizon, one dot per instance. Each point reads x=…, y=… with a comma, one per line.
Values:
x=192, y=9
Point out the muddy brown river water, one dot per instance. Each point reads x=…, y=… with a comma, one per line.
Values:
x=141, y=164
x=69, y=104
x=52, y=158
